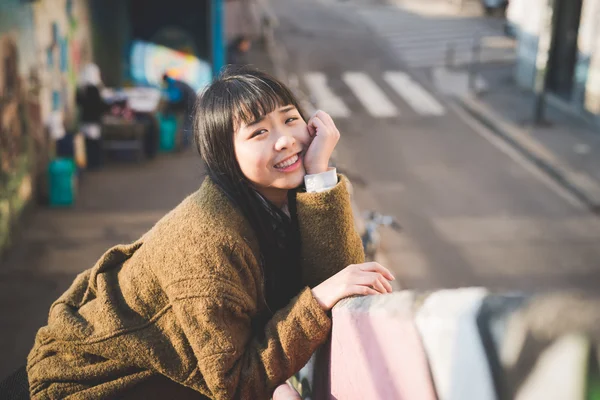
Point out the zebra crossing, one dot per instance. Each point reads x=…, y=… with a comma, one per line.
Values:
x=422, y=40
x=413, y=93
x=370, y=95
x=325, y=98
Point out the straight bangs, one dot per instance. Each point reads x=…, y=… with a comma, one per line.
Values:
x=252, y=99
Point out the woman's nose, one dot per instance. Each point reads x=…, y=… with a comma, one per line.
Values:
x=284, y=141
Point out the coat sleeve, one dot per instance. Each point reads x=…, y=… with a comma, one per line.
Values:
x=329, y=239
x=233, y=360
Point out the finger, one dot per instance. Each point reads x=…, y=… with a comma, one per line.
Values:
x=377, y=285
x=386, y=284
x=370, y=276
x=319, y=125
x=381, y=283
x=312, y=130
x=326, y=118
x=376, y=267
x=363, y=291
x=372, y=279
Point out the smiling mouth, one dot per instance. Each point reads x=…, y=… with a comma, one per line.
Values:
x=287, y=162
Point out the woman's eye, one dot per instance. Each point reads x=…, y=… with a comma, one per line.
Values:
x=258, y=132
x=291, y=119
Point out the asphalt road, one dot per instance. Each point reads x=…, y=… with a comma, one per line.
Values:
x=473, y=211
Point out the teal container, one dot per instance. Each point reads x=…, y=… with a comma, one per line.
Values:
x=168, y=132
x=62, y=181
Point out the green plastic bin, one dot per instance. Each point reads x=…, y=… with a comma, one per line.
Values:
x=168, y=132
x=62, y=180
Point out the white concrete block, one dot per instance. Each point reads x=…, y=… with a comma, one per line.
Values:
x=457, y=359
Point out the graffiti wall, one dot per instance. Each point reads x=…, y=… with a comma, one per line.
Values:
x=63, y=41
x=42, y=46
x=17, y=100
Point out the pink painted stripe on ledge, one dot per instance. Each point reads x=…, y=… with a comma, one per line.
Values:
x=376, y=352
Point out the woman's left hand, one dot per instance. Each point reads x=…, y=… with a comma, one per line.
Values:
x=324, y=136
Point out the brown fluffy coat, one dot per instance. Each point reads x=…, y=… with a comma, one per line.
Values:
x=170, y=315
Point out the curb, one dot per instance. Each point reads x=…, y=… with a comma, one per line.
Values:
x=514, y=136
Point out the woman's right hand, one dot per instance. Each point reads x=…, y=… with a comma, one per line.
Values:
x=324, y=137
x=357, y=279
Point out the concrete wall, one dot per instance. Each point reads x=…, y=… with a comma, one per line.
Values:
x=459, y=344
x=45, y=43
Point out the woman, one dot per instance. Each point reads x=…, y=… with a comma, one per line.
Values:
x=237, y=50
x=92, y=107
x=227, y=295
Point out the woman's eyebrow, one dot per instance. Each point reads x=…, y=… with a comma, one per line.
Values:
x=286, y=109
x=256, y=121
x=281, y=111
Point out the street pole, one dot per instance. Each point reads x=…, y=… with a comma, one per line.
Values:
x=217, y=36
x=475, y=63
x=542, y=63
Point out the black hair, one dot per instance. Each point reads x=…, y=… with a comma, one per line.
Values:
x=241, y=95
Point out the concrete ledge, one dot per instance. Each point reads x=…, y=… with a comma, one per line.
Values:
x=369, y=337
x=580, y=185
x=459, y=344
x=447, y=323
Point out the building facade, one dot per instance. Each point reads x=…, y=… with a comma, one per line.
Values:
x=559, y=49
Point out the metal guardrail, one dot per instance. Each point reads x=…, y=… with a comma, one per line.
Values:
x=483, y=50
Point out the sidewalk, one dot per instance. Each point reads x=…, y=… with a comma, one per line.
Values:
x=115, y=205
x=566, y=147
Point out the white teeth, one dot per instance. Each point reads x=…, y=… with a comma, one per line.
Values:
x=287, y=162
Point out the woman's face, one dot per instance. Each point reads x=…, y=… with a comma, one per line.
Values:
x=270, y=152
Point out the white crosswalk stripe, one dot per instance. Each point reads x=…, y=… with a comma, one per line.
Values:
x=413, y=93
x=324, y=97
x=370, y=95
